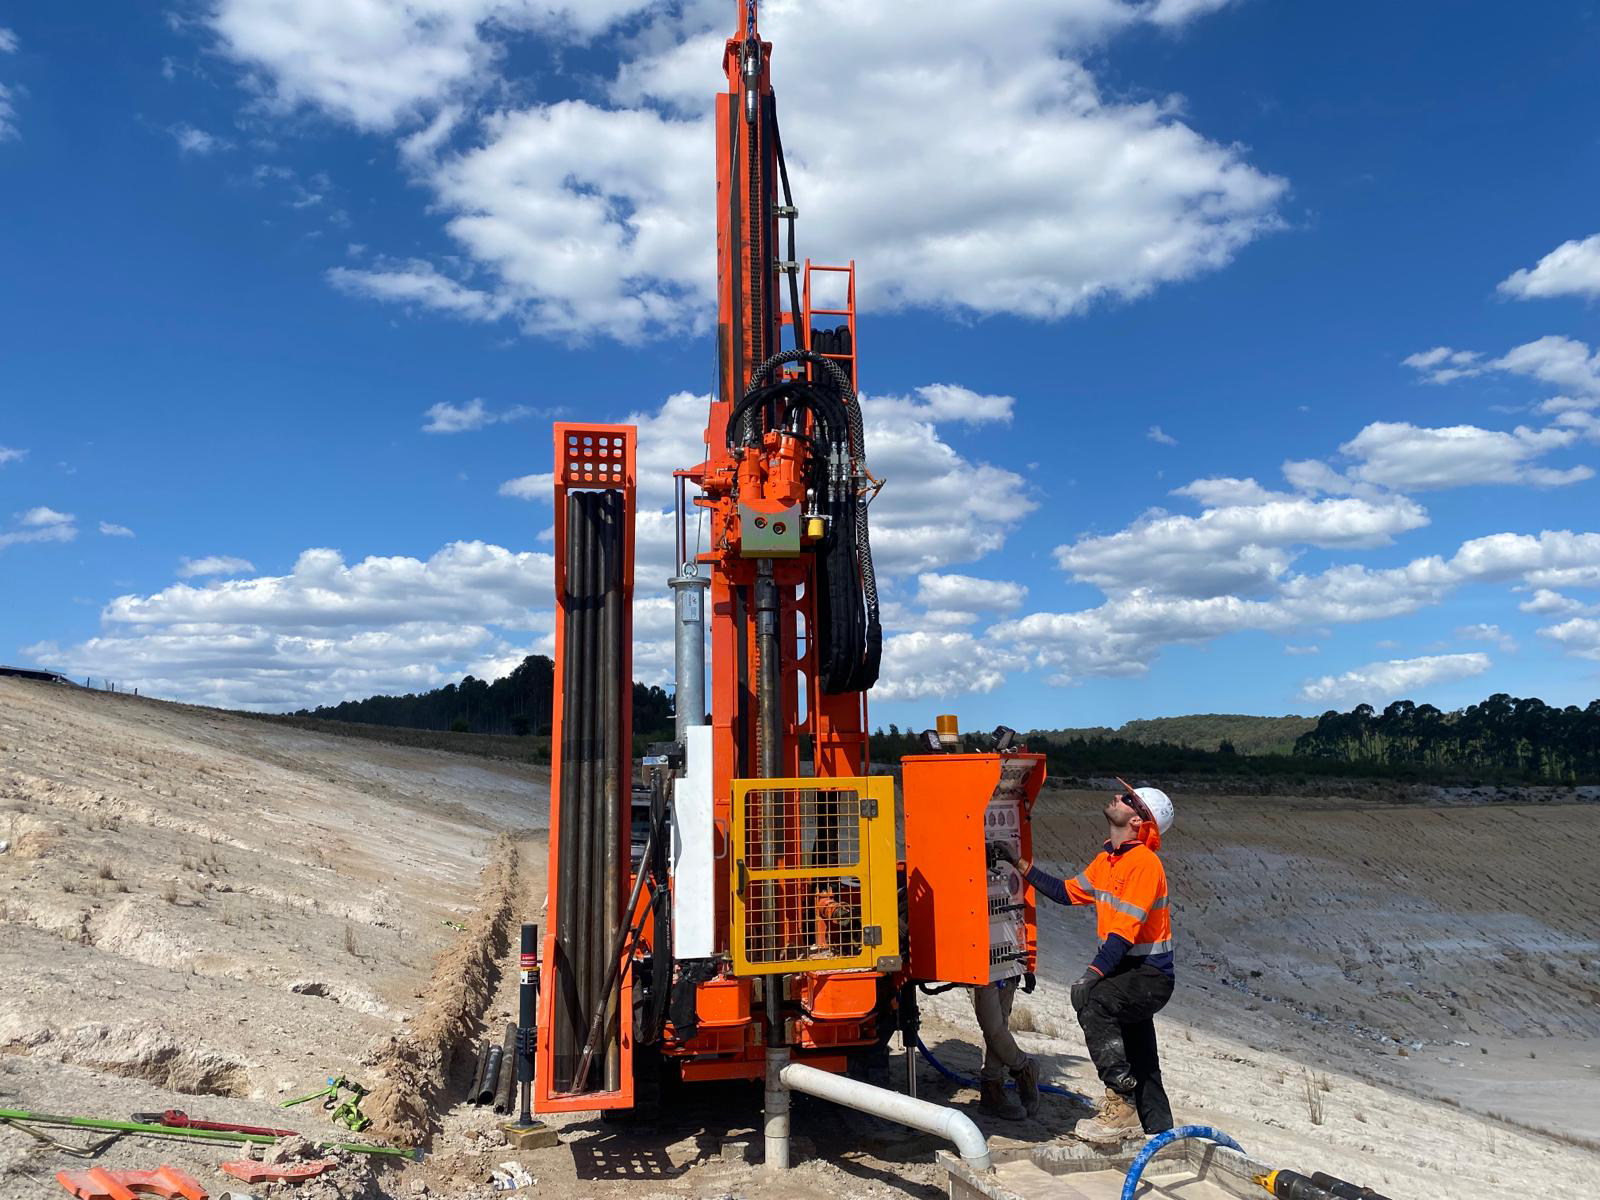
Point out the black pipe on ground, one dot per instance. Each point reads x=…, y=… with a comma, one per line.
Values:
x=491, y=1076
x=479, y=1063
x=505, y=1087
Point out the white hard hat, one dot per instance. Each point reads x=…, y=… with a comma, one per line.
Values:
x=1156, y=802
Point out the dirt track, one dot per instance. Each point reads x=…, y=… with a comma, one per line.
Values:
x=273, y=909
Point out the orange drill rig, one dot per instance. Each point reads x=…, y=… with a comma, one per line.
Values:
x=753, y=914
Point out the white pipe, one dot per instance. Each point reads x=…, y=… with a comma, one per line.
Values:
x=777, y=1110
x=944, y=1122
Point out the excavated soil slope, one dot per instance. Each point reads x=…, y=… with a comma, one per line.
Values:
x=211, y=913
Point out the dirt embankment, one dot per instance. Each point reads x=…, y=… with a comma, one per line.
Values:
x=411, y=1069
x=203, y=912
x=206, y=912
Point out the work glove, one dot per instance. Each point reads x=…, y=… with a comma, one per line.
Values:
x=1002, y=852
x=1081, y=989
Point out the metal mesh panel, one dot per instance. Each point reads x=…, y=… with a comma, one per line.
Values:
x=804, y=880
x=801, y=827
x=805, y=916
x=811, y=917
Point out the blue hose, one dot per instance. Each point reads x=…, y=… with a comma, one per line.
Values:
x=954, y=1078
x=1136, y=1168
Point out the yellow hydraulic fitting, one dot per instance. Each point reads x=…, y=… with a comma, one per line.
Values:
x=814, y=527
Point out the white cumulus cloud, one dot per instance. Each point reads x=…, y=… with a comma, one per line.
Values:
x=1380, y=682
x=327, y=631
x=1571, y=269
x=1442, y=364
x=592, y=215
x=1579, y=636
x=377, y=64
x=415, y=282
x=1488, y=632
x=445, y=417
x=39, y=524
x=35, y=518
x=8, y=108
x=1406, y=457
x=214, y=564
x=197, y=141
x=111, y=529
x=1243, y=542
x=539, y=486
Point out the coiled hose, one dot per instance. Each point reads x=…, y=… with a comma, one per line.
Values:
x=850, y=633
x=1130, y=1182
x=957, y=1078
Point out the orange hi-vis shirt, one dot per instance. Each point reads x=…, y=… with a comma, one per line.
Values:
x=1128, y=888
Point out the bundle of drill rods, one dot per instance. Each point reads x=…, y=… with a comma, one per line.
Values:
x=594, y=788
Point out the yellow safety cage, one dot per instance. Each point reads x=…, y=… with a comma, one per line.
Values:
x=814, y=875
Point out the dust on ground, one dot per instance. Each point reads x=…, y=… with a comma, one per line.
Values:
x=209, y=913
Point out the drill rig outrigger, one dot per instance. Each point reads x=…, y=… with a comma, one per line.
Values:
x=764, y=930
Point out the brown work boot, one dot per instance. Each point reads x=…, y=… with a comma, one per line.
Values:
x=1115, y=1122
x=993, y=1101
x=1027, y=1077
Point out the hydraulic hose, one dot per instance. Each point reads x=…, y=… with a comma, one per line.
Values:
x=802, y=336
x=1130, y=1182
x=955, y=1077
x=849, y=628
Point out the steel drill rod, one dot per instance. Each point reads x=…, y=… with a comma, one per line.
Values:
x=598, y=1027
x=582, y=949
x=594, y=730
x=617, y=781
x=768, y=766
x=563, y=1012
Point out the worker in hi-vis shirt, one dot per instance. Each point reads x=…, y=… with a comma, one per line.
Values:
x=1131, y=977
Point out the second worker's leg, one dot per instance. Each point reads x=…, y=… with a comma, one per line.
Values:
x=1000, y=1051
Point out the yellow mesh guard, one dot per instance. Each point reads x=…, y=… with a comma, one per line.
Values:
x=813, y=875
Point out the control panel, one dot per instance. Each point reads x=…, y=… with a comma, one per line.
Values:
x=1002, y=822
x=970, y=920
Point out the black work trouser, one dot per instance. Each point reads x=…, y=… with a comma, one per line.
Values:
x=1121, y=1037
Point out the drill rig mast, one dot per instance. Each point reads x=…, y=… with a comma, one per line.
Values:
x=765, y=923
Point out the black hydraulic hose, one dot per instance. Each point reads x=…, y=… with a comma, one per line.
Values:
x=802, y=336
x=655, y=1010
x=756, y=238
x=968, y=1081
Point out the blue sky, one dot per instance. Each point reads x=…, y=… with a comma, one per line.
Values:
x=292, y=290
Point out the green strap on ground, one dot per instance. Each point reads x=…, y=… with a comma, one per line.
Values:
x=210, y=1135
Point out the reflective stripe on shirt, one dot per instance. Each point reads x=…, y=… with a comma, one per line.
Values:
x=1143, y=948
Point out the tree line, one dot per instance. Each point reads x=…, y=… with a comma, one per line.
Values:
x=1503, y=734
x=1502, y=738
x=519, y=704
